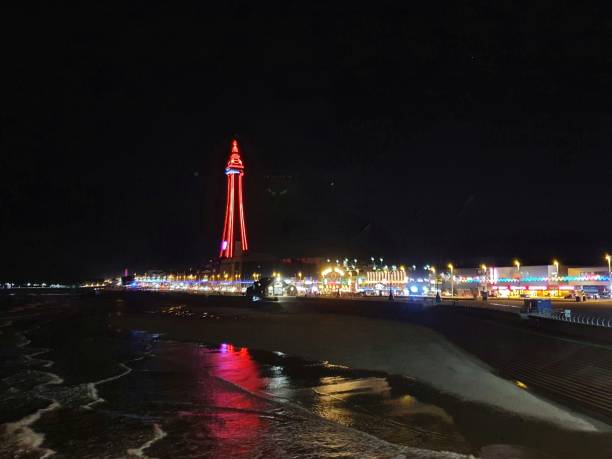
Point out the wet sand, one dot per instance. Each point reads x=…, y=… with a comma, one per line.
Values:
x=393, y=347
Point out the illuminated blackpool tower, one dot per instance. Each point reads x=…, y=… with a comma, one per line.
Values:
x=234, y=205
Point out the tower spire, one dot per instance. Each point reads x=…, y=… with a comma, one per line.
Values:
x=234, y=205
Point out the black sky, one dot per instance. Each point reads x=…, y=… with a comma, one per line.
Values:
x=450, y=131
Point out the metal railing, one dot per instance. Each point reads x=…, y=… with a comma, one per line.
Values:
x=581, y=319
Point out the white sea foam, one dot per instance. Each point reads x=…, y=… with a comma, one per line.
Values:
x=92, y=387
x=47, y=363
x=158, y=434
x=20, y=432
x=6, y=323
x=23, y=341
x=55, y=379
x=23, y=437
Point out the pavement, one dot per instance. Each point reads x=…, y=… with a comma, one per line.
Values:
x=598, y=308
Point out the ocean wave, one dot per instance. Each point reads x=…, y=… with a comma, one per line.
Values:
x=45, y=362
x=22, y=341
x=92, y=387
x=158, y=434
x=19, y=436
x=6, y=323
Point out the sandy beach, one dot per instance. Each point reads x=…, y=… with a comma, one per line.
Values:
x=393, y=347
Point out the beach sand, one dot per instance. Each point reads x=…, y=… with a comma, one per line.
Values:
x=390, y=346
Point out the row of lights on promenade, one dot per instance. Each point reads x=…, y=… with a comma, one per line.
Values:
x=516, y=263
x=450, y=266
x=432, y=269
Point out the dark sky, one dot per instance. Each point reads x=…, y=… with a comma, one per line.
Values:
x=449, y=130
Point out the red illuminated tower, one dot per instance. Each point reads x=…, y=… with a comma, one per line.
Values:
x=234, y=206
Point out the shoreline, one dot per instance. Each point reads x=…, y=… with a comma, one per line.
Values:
x=392, y=347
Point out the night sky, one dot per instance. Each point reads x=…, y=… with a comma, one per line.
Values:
x=421, y=132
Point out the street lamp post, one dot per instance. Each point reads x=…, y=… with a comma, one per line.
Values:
x=518, y=268
x=451, y=267
x=608, y=258
x=556, y=263
x=432, y=269
x=484, y=275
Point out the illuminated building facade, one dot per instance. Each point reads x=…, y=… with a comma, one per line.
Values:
x=380, y=280
x=531, y=281
x=234, y=207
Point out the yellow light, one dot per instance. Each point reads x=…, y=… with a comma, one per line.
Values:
x=402, y=268
x=451, y=267
x=339, y=271
x=483, y=267
x=608, y=258
x=521, y=384
x=432, y=269
x=326, y=271
x=517, y=264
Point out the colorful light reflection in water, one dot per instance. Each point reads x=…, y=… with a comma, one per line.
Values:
x=234, y=417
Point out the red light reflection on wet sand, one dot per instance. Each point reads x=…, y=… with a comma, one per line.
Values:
x=235, y=364
x=234, y=424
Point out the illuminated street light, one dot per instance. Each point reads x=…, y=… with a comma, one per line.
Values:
x=432, y=269
x=451, y=267
x=608, y=258
x=556, y=263
x=518, y=265
x=484, y=275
